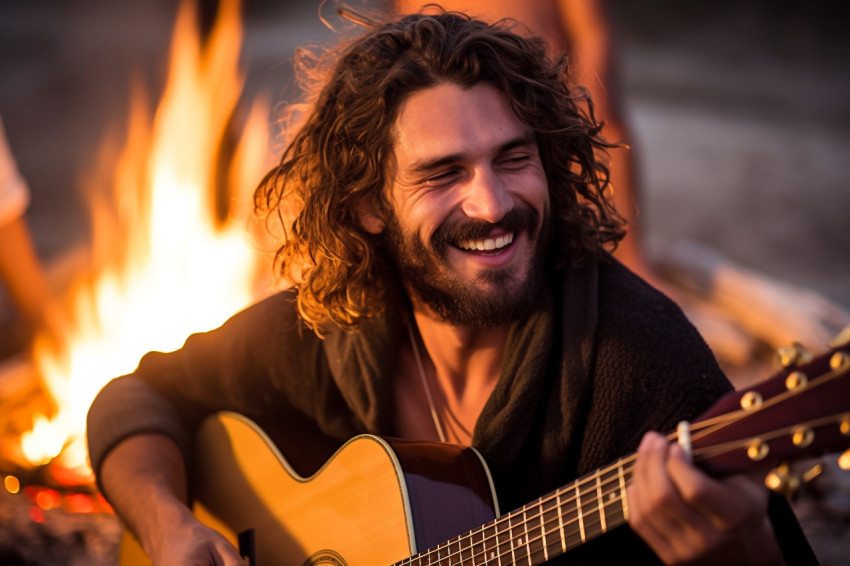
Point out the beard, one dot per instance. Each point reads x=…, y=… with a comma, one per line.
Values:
x=495, y=297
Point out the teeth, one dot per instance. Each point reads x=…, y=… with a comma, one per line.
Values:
x=487, y=244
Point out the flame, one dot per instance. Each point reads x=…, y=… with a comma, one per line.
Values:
x=178, y=270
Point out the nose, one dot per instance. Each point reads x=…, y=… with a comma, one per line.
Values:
x=487, y=197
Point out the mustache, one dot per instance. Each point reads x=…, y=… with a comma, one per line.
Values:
x=515, y=220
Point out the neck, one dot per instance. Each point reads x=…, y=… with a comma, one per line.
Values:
x=466, y=361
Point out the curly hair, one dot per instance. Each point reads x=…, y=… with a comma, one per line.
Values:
x=338, y=156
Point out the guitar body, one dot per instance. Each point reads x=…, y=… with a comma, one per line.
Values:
x=373, y=502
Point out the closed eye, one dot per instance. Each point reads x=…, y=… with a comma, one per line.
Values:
x=442, y=178
x=516, y=161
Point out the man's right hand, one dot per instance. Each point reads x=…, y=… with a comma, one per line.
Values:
x=144, y=479
x=194, y=544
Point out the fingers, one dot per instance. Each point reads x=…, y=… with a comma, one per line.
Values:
x=737, y=502
x=657, y=511
x=681, y=512
x=224, y=553
x=199, y=545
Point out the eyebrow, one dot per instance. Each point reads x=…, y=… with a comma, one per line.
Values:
x=436, y=163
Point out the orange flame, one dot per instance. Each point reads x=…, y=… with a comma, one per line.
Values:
x=179, y=271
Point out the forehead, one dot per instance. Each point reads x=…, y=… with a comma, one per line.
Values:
x=448, y=120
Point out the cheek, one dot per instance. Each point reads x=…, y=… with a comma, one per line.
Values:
x=535, y=192
x=543, y=189
x=429, y=213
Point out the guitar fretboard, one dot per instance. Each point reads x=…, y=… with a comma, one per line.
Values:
x=553, y=524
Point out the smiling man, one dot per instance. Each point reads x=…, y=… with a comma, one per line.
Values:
x=470, y=199
x=448, y=243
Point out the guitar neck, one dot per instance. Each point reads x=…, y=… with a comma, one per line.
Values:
x=545, y=528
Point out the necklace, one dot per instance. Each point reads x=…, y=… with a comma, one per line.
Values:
x=437, y=424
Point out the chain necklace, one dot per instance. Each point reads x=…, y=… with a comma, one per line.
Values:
x=437, y=423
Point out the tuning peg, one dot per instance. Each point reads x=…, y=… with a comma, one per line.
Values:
x=844, y=460
x=782, y=480
x=803, y=436
x=796, y=380
x=793, y=355
x=841, y=339
x=839, y=360
x=811, y=473
x=751, y=400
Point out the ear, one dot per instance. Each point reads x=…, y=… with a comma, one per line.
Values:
x=369, y=218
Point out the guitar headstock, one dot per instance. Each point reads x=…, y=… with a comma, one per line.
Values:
x=802, y=411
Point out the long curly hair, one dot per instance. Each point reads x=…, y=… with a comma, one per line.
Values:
x=339, y=155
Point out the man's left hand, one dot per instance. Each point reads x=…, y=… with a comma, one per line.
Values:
x=687, y=517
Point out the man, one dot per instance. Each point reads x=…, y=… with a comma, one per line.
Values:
x=583, y=29
x=446, y=235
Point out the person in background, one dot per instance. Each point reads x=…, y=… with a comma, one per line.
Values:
x=21, y=270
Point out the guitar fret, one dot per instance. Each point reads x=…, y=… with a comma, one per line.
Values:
x=473, y=551
x=488, y=554
x=440, y=552
x=525, y=540
x=573, y=529
x=561, y=523
x=623, y=499
x=505, y=546
x=491, y=544
x=591, y=512
x=478, y=555
x=600, y=504
x=503, y=540
x=464, y=554
x=541, y=516
x=483, y=554
x=512, y=540
x=580, y=512
x=538, y=551
x=612, y=498
x=453, y=553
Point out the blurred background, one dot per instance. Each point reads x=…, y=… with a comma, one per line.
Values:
x=740, y=125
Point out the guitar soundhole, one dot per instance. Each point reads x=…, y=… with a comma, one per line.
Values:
x=325, y=558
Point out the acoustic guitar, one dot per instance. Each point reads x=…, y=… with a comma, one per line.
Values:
x=413, y=503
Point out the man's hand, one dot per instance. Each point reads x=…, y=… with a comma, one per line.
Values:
x=144, y=478
x=194, y=544
x=687, y=517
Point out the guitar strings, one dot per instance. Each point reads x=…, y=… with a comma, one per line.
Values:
x=592, y=529
x=505, y=521
x=609, y=491
x=514, y=541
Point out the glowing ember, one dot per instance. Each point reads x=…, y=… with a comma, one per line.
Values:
x=12, y=484
x=179, y=271
x=44, y=442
